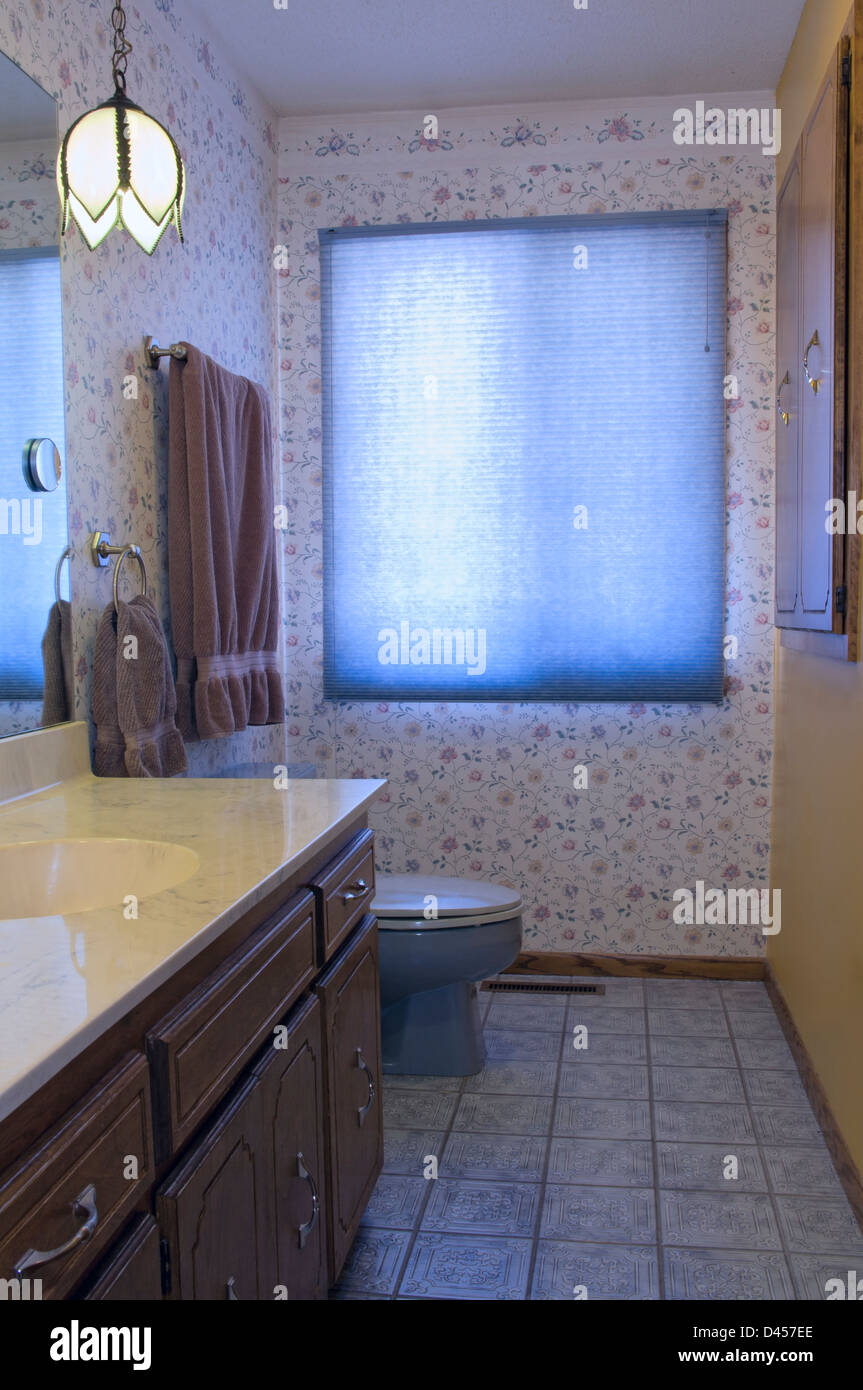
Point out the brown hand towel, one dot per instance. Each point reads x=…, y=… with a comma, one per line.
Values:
x=222, y=550
x=58, y=694
x=134, y=701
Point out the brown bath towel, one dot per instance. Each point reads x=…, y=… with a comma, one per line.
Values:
x=58, y=697
x=222, y=550
x=134, y=701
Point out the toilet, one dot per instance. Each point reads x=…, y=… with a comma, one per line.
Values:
x=438, y=936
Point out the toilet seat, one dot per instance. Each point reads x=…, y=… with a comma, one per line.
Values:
x=401, y=899
x=429, y=969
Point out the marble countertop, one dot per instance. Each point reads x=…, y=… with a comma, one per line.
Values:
x=64, y=980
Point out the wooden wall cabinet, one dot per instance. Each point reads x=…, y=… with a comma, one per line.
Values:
x=264, y=1137
x=811, y=280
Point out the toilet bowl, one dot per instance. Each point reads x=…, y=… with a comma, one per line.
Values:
x=438, y=937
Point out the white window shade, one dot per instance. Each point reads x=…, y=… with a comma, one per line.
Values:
x=524, y=454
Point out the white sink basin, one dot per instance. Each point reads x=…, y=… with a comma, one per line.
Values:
x=48, y=878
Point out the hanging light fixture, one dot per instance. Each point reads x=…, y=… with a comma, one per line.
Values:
x=118, y=165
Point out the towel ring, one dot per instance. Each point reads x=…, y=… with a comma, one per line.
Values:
x=129, y=552
x=67, y=555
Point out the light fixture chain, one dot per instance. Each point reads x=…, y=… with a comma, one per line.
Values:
x=122, y=47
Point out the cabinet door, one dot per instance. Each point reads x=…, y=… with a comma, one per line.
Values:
x=823, y=239
x=132, y=1271
x=788, y=377
x=291, y=1097
x=215, y=1212
x=350, y=994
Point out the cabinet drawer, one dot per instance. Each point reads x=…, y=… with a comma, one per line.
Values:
x=68, y=1199
x=344, y=891
x=198, y=1050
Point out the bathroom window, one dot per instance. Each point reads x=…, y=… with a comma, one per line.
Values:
x=524, y=459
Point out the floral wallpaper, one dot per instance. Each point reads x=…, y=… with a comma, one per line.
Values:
x=676, y=793
x=28, y=195
x=217, y=290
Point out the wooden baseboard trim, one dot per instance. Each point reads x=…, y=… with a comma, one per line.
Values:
x=845, y=1166
x=652, y=967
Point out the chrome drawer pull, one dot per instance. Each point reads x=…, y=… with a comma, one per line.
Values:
x=83, y=1205
x=784, y=415
x=355, y=890
x=231, y=1294
x=305, y=1231
x=814, y=381
x=363, y=1110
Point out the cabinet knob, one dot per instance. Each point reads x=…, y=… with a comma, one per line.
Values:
x=363, y=1110
x=83, y=1205
x=305, y=1231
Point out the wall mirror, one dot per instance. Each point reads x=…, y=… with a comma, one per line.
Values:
x=35, y=636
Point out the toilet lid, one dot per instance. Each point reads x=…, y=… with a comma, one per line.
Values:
x=401, y=901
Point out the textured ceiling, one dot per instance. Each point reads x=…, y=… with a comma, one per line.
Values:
x=319, y=56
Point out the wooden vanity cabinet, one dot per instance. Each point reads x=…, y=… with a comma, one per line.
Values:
x=268, y=1201
x=349, y=992
x=132, y=1273
x=246, y=1089
x=245, y=1215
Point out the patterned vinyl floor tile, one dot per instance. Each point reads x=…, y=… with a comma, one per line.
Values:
x=675, y=1156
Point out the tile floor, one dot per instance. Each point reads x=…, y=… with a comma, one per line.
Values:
x=603, y=1168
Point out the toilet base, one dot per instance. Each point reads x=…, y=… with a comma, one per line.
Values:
x=434, y=1033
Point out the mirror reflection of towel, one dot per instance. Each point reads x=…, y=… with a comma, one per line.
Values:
x=58, y=694
x=134, y=701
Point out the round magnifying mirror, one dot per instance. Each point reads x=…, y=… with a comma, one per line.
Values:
x=41, y=465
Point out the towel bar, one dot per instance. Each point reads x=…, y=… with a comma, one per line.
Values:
x=154, y=352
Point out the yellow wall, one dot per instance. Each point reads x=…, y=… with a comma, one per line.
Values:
x=817, y=855
x=821, y=23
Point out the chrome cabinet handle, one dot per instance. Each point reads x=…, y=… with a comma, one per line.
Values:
x=363, y=1110
x=83, y=1205
x=305, y=1231
x=814, y=381
x=783, y=414
x=355, y=890
x=231, y=1294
